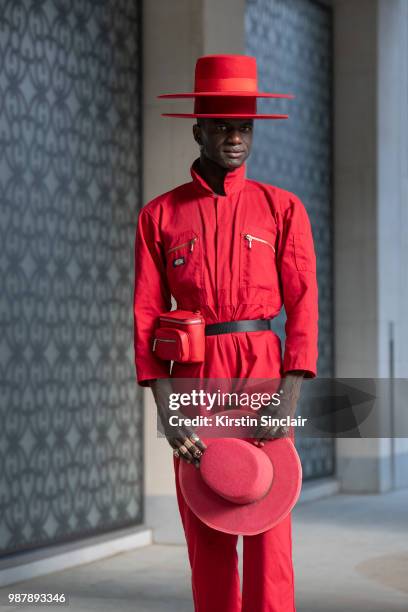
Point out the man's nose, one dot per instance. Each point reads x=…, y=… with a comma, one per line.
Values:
x=234, y=137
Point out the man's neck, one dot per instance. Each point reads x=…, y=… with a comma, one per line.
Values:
x=213, y=174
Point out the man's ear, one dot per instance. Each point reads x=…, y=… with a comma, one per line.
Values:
x=197, y=134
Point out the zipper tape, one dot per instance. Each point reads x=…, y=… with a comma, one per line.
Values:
x=189, y=242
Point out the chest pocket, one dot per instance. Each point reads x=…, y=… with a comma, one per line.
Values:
x=258, y=259
x=184, y=266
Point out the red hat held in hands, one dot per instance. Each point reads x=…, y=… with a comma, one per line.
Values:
x=240, y=488
x=226, y=86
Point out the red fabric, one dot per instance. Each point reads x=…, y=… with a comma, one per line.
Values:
x=226, y=86
x=268, y=576
x=223, y=105
x=225, y=66
x=226, y=279
x=249, y=518
x=229, y=115
x=225, y=284
x=186, y=329
x=226, y=75
x=235, y=469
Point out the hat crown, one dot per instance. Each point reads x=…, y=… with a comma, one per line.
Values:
x=226, y=73
x=236, y=470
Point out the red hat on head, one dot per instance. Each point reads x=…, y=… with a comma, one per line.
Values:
x=226, y=86
x=240, y=488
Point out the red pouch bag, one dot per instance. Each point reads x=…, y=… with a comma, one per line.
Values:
x=180, y=336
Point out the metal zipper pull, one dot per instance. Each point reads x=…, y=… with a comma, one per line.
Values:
x=192, y=241
x=154, y=343
x=250, y=238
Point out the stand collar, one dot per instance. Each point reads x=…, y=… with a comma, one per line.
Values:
x=233, y=182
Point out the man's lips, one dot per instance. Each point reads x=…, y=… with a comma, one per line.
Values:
x=231, y=153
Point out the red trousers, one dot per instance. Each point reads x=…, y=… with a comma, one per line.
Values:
x=268, y=579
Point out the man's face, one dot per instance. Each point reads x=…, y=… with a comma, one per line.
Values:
x=227, y=142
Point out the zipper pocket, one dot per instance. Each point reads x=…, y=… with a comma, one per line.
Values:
x=250, y=238
x=189, y=242
x=161, y=340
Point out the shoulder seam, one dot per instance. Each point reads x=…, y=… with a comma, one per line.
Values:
x=147, y=212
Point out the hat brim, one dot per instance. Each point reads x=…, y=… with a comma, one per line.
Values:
x=248, y=519
x=234, y=94
x=224, y=116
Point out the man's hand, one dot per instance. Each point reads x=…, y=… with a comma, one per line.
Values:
x=185, y=442
x=289, y=393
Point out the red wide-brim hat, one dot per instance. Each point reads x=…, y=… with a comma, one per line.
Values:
x=226, y=86
x=240, y=488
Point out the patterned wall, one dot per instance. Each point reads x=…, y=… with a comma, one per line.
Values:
x=292, y=40
x=70, y=427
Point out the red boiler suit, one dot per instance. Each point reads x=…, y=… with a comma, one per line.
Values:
x=238, y=256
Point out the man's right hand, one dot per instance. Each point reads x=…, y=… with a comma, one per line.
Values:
x=185, y=442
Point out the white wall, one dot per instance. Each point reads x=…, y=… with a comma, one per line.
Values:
x=371, y=143
x=175, y=34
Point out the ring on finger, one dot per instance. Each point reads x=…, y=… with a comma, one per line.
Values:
x=183, y=449
x=194, y=437
x=176, y=453
x=188, y=443
x=197, y=453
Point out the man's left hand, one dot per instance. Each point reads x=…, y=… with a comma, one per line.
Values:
x=289, y=391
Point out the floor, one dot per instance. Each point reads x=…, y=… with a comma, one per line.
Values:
x=350, y=554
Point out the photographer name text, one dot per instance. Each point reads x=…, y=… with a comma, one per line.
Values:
x=242, y=421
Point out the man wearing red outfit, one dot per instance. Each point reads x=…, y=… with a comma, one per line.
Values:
x=235, y=249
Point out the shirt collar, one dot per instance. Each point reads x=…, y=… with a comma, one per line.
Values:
x=233, y=182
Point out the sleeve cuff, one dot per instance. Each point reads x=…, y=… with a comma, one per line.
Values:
x=306, y=373
x=308, y=366
x=145, y=377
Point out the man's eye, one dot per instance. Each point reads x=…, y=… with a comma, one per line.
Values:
x=246, y=128
x=221, y=127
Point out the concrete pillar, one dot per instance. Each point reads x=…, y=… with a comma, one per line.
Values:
x=370, y=178
x=392, y=182
x=175, y=34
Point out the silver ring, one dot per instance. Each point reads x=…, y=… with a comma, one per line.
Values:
x=176, y=453
x=194, y=437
